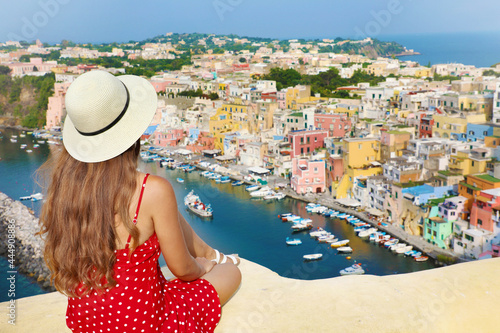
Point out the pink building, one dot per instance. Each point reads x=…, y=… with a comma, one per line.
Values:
x=56, y=109
x=305, y=142
x=337, y=125
x=308, y=176
x=168, y=137
x=281, y=96
x=482, y=209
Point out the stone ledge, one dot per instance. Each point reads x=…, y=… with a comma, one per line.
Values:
x=458, y=298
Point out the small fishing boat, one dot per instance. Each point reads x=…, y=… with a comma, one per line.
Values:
x=33, y=197
x=22, y=135
x=301, y=227
x=13, y=140
x=189, y=168
x=405, y=249
x=29, y=151
x=180, y=180
x=314, y=256
x=367, y=232
x=277, y=196
x=194, y=204
x=23, y=146
x=344, y=249
x=326, y=238
x=340, y=243
x=355, y=269
x=36, y=145
x=318, y=233
x=262, y=192
x=293, y=241
x=416, y=254
x=252, y=188
x=237, y=183
x=421, y=258
x=409, y=253
x=224, y=179
x=40, y=141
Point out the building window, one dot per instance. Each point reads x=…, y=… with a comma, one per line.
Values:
x=308, y=140
x=301, y=140
x=479, y=222
x=302, y=150
x=308, y=149
x=359, y=146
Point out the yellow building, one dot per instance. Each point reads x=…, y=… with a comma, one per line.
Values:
x=360, y=159
x=423, y=72
x=446, y=126
x=296, y=95
x=468, y=163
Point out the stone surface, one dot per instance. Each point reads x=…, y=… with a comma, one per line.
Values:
x=458, y=298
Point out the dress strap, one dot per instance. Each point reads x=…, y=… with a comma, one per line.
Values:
x=138, y=207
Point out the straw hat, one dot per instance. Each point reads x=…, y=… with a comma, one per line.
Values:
x=106, y=114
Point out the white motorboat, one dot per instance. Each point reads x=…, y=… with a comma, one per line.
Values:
x=265, y=190
x=340, y=243
x=326, y=238
x=367, y=232
x=404, y=249
x=194, y=204
x=344, y=249
x=315, y=256
x=252, y=188
x=276, y=195
x=355, y=269
x=293, y=241
x=396, y=247
x=318, y=233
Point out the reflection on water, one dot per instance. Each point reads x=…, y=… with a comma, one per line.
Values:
x=251, y=228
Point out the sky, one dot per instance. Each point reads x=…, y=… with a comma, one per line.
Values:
x=105, y=21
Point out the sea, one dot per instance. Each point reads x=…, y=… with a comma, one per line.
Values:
x=481, y=49
x=248, y=227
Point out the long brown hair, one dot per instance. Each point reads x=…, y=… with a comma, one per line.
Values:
x=78, y=218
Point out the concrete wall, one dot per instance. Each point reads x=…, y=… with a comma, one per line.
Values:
x=458, y=298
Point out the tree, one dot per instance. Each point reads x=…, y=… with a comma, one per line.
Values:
x=4, y=70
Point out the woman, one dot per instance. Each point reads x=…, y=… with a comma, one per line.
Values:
x=105, y=261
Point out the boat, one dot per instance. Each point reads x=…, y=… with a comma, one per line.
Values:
x=409, y=253
x=40, y=141
x=194, y=204
x=319, y=232
x=355, y=269
x=326, y=238
x=405, y=249
x=276, y=195
x=22, y=135
x=224, y=179
x=190, y=168
x=315, y=256
x=205, y=173
x=367, y=232
x=252, y=188
x=416, y=254
x=344, y=249
x=29, y=151
x=293, y=241
x=262, y=192
x=297, y=227
x=33, y=197
x=23, y=146
x=340, y=243
x=180, y=180
x=237, y=183
x=396, y=247
x=13, y=140
x=36, y=145
x=421, y=258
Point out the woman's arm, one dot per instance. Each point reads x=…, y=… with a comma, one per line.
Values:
x=165, y=216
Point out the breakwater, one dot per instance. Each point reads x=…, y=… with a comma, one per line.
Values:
x=18, y=227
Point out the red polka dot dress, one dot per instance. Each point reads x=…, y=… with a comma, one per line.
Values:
x=143, y=300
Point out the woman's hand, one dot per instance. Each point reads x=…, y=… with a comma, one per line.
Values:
x=206, y=264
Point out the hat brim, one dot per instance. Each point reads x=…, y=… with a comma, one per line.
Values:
x=120, y=137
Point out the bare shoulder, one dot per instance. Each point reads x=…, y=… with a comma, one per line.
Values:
x=159, y=188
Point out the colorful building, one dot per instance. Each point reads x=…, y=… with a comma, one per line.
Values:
x=308, y=176
x=471, y=189
x=438, y=227
x=306, y=142
x=337, y=125
x=56, y=109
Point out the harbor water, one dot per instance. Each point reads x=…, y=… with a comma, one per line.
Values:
x=240, y=224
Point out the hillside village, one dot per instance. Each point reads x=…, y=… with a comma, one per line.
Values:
x=417, y=145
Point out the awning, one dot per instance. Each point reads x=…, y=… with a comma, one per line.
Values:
x=375, y=163
x=258, y=170
x=348, y=202
x=374, y=212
